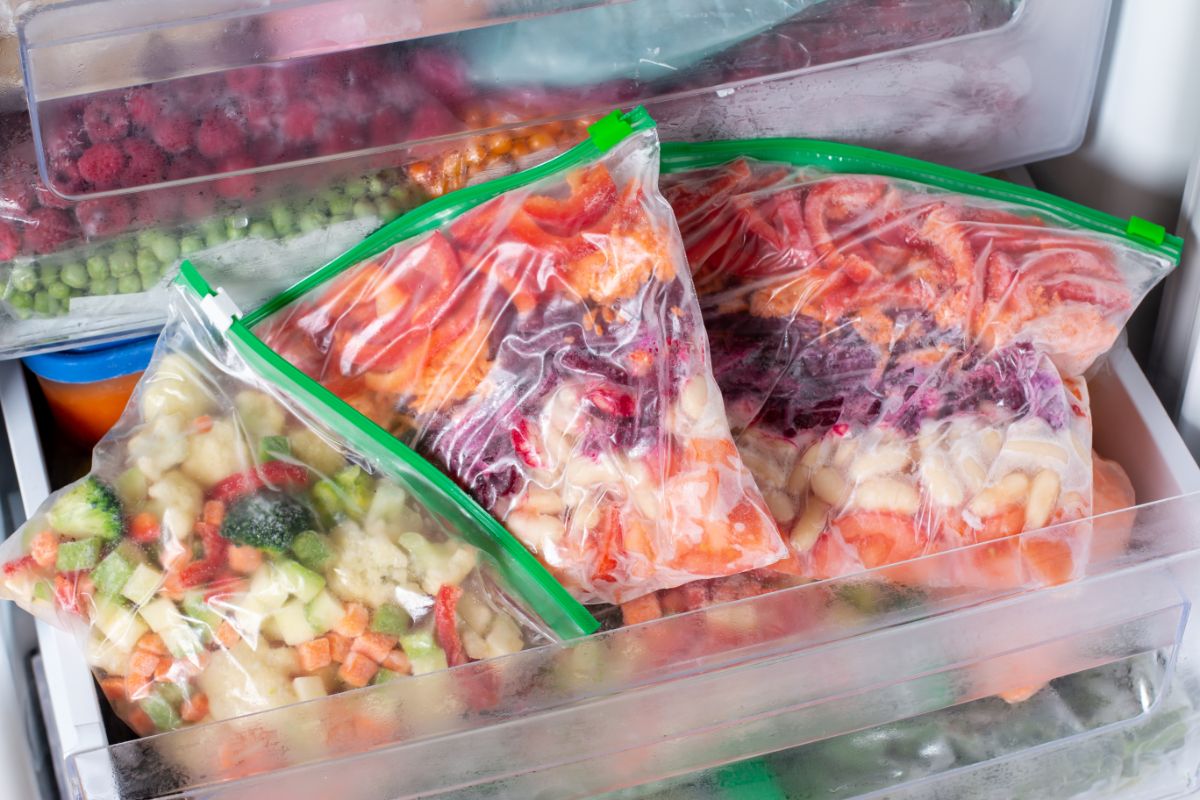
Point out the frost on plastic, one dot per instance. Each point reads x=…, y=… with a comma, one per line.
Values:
x=902, y=366
x=545, y=349
x=225, y=555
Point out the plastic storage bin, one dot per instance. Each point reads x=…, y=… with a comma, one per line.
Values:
x=127, y=95
x=804, y=668
x=87, y=388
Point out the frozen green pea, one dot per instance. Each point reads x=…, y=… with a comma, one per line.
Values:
x=59, y=290
x=310, y=221
x=340, y=206
x=48, y=273
x=102, y=287
x=364, y=209
x=150, y=281
x=237, y=222
x=190, y=244
x=166, y=249
x=129, y=284
x=356, y=188
x=75, y=275
x=20, y=300
x=24, y=279
x=376, y=185
x=121, y=264
x=210, y=226
x=41, y=303
x=400, y=194
x=213, y=238
x=146, y=262
x=237, y=233
x=387, y=208
x=97, y=267
x=281, y=218
x=262, y=230
x=146, y=238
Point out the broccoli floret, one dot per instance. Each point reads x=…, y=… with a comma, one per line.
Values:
x=268, y=520
x=88, y=509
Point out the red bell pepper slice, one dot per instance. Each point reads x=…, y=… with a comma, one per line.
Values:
x=276, y=474
x=204, y=570
x=18, y=565
x=446, y=626
x=593, y=193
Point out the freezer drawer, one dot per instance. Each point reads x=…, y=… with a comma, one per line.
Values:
x=777, y=672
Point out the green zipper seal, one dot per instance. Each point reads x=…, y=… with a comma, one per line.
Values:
x=848, y=158
x=603, y=135
x=523, y=573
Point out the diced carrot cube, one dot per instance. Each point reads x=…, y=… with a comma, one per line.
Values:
x=244, y=559
x=44, y=549
x=643, y=609
x=194, y=708
x=137, y=686
x=339, y=646
x=397, y=661
x=214, y=512
x=314, y=654
x=354, y=623
x=357, y=670
x=152, y=643
x=143, y=663
x=144, y=528
x=140, y=721
x=162, y=673
x=227, y=635
x=374, y=646
x=113, y=688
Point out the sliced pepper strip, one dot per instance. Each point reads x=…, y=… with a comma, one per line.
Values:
x=446, y=625
x=276, y=474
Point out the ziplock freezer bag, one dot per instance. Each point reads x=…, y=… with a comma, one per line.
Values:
x=901, y=346
x=538, y=338
x=230, y=552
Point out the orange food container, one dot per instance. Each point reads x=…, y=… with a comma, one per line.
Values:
x=88, y=388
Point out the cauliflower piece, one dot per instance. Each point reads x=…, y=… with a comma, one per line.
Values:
x=311, y=449
x=260, y=414
x=241, y=680
x=365, y=568
x=160, y=445
x=178, y=500
x=217, y=453
x=175, y=387
x=389, y=513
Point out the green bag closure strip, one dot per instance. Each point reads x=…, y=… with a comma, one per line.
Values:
x=847, y=158
x=523, y=573
x=603, y=135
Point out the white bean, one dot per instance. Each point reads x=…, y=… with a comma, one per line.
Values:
x=584, y=471
x=887, y=494
x=543, y=501
x=882, y=460
x=1010, y=490
x=797, y=482
x=990, y=442
x=846, y=450
x=781, y=506
x=810, y=524
x=1043, y=494
x=941, y=485
x=694, y=397
x=534, y=529
x=1039, y=450
x=829, y=485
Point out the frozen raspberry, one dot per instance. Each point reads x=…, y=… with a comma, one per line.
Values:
x=219, y=135
x=299, y=122
x=341, y=136
x=64, y=139
x=48, y=229
x=17, y=196
x=237, y=186
x=431, y=119
x=365, y=67
x=283, y=83
x=387, y=127
x=259, y=114
x=105, y=120
x=359, y=102
x=244, y=82
x=172, y=132
x=65, y=177
x=102, y=165
x=443, y=74
x=146, y=104
x=104, y=217
x=198, y=202
x=10, y=241
x=187, y=165
x=157, y=207
x=198, y=92
x=325, y=90
x=47, y=197
x=146, y=162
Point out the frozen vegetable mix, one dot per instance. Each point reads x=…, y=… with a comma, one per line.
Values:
x=538, y=338
x=230, y=552
x=901, y=349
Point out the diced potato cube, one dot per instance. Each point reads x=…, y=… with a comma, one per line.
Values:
x=142, y=585
x=309, y=687
x=293, y=624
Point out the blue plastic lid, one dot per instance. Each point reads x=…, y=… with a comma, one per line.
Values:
x=96, y=363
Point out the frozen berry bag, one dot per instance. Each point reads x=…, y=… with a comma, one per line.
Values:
x=241, y=543
x=538, y=337
x=901, y=349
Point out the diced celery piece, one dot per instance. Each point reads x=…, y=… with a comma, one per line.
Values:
x=199, y=613
x=266, y=589
x=78, y=555
x=299, y=581
x=113, y=572
x=121, y=626
x=312, y=550
x=171, y=692
x=423, y=654
x=391, y=619
x=324, y=612
x=161, y=712
x=309, y=687
x=161, y=615
x=428, y=662
x=294, y=627
x=43, y=592
x=142, y=584
x=270, y=448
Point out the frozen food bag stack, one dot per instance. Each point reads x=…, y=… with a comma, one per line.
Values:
x=902, y=350
x=539, y=339
x=245, y=541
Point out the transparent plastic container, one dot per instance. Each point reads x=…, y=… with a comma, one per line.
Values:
x=846, y=688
